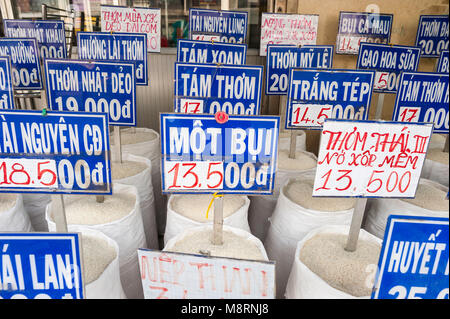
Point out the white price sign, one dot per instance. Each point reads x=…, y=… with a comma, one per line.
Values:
x=191, y=106
x=20, y=172
x=193, y=175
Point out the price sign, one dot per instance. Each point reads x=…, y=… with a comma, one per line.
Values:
x=413, y=261
x=423, y=97
x=193, y=51
x=6, y=86
x=40, y=266
x=315, y=95
x=370, y=159
x=282, y=57
x=49, y=34
x=229, y=88
x=202, y=155
x=443, y=62
x=388, y=61
x=218, y=25
x=61, y=152
x=357, y=27
x=87, y=86
x=191, y=281
x=294, y=29
x=118, y=47
x=432, y=35
x=26, y=68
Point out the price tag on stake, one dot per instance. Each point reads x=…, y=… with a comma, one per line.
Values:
x=194, y=51
x=6, y=84
x=432, y=35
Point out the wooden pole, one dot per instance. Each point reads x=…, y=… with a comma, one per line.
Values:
x=59, y=213
x=355, y=226
x=379, y=111
x=218, y=221
x=117, y=145
x=293, y=146
x=446, y=144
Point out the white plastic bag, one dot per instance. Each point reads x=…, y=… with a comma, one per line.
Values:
x=34, y=205
x=435, y=171
x=15, y=219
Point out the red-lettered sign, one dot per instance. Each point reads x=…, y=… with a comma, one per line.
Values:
x=371, y=159
x=20, y=172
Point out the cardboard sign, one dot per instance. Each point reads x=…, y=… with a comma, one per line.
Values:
x=282, y=57
x=315, y=95
x=169, y=275
x=26, y=68
x=218, y=25
x=389, y=61
x=88, y=86
x=413, y=261
x=57, y=153
x=357, y=27
x=40, y=266
x=49, y=34
x=229, y=154
x=443, y=62
x=370, y=159
x=118, y=47
x=229, y=88
x=294, y=29
x=133, y=20
x=432, y=35
x=193, y=51
x=423, y=97
x=6, y=86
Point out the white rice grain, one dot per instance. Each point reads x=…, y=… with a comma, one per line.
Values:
x=128, y=137
x=438, y=155
x=301, y=161
x=126, y=169
x=97, y=255
x=429, y=197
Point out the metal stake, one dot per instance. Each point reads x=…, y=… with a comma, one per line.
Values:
x=358, y=214
x=218, y=222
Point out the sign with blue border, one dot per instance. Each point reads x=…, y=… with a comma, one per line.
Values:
x=193, y=51
x=117, y=47
x=432, y=35
x=414, y=258
x=218, y=153
x=423, y=97
x=93, y=86
x=26, y=68
x=282, y=57
x=6, y=86
x=443, y=62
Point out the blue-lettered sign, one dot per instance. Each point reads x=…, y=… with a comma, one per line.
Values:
x=26, y=68
x=218, y=153
x=413, y=261
x=218, y=26
x=432, y=35
x=41, y=266
x=93, y=86
x=193, y=51
x=357, y=27
x=210, y=88
x=118, y=47
x=315, y=95
x=6, y=86
x=388, y=61
x=50, y=35
x=54, y=152
x=423, y=97
x=443, y=62
x=282, y=57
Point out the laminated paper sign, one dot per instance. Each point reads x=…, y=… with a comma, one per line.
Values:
x=6, y=86
x=432, y=35
x=194, y=51
x=442, y=66
x=296, y=29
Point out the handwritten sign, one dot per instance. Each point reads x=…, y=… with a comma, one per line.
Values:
x=133, y=20
x=229, y=88
x=119, y=47
x=423, y=97
x=443, y=62
x=432, y=35
x=60, y=152
x=49, y=34
x=296, y=29
x=388, y=61
x=413, y=261
x=357, y=27
x=200, y=277
x=281, y=57
x=6, y=86
x=315, y=95
x=26, y=68
x=193, y=51
x=40, y=266
x=218, y=25
x=202, y=155
x=370, y=159
x=88, y=86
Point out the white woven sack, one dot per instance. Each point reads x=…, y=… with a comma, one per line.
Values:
x=34, y=205
x=15, y=219
x=435, y=171
x=305, y=284
x=437, y=141
x=284, y=141
x=289, y=223
x=143, y=183
x=379, y=209
x=177, y=223
x=128, y=232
